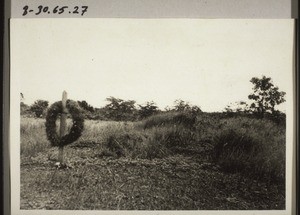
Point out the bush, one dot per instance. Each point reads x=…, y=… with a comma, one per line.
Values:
x=278, y=117
x=164, y=141
x=124, y=141
x=186, y=119
x=251, y=146
x=233, y=150
x=157, y=142
x=39, y=108
x=206, y=127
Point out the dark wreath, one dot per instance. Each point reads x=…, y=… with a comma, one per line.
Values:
x=76, y=130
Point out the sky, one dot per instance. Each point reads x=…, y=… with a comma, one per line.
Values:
x=208, y=63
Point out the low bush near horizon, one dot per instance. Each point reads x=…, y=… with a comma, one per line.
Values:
x=184, y=118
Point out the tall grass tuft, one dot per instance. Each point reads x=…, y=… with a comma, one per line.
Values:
x=122, y=140
x=252, y=146
x=33, y=137
x=168, y=140
x=155, y=142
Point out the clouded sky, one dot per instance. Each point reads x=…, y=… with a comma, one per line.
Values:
x=208, y=63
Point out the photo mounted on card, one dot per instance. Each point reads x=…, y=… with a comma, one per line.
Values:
x=158, y=116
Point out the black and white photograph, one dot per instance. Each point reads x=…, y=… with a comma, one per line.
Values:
x=152, y=115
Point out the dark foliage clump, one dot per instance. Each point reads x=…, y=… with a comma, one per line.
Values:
x=39, y=107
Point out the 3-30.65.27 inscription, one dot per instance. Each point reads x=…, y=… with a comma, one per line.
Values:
x=80, y=10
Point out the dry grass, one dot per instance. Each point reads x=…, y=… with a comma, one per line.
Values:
x=33, y=137
x=118, y=165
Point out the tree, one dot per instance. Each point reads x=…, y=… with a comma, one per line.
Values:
x=119, y=109
x=39, y=107
x=86, y=106
x=148, y=109
x=23, y=108
x=266, y=96
x=181, y=105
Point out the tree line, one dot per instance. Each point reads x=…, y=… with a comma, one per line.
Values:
x=116, y=109
x=262, y=102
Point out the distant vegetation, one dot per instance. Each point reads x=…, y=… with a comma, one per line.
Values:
x=261, y=104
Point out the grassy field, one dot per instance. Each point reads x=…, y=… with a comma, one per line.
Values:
x=171, y=161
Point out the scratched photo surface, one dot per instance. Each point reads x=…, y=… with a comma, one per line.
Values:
x=154, y=114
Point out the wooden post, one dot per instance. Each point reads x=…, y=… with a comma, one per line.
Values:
x=63, y=126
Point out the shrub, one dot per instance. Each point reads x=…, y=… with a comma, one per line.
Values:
x=206, y=127
x=149, y=109
x=39, y=108
x=278, y=117
x=251, y=146
x=157, y=142
x=187, y=119
x=168, y=140
x=124, y=140
x=234, y=148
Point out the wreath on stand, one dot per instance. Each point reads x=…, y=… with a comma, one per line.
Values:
x=53, y=113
